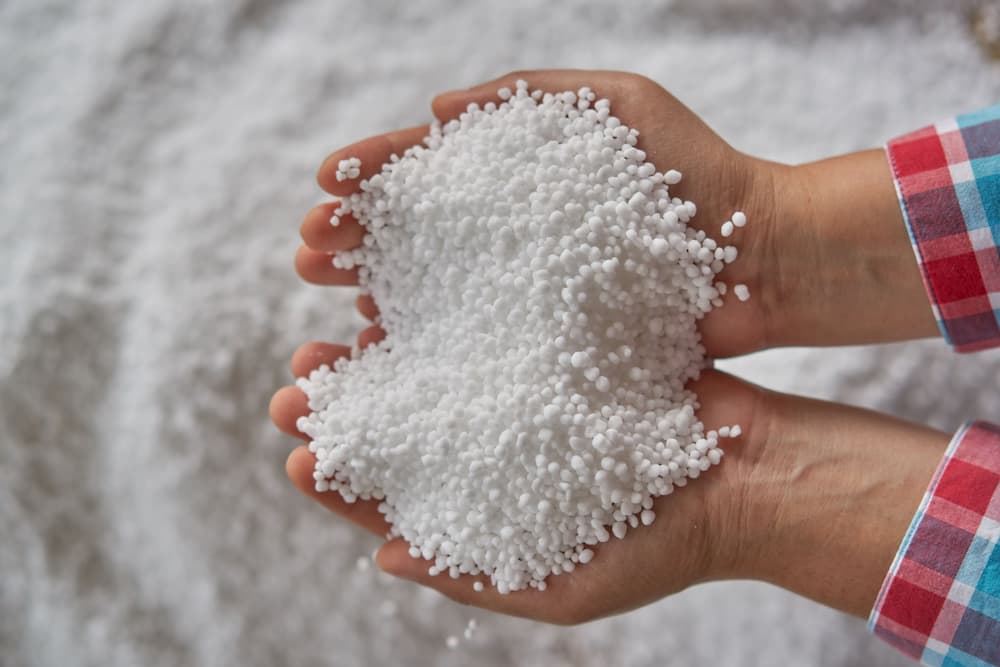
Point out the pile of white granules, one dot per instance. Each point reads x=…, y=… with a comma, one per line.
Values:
x=540, y=290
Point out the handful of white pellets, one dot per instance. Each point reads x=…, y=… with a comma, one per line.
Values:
x=540, y=290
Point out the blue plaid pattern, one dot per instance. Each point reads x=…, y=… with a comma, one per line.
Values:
x=948, y=180
x=940, y=602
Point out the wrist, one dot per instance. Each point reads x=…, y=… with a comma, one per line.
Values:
x=844, y=269
x=831, y=492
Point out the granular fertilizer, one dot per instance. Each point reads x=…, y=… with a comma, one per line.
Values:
x=540, y=290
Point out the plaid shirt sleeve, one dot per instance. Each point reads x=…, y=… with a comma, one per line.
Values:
x=940, y=602
x=948, y=181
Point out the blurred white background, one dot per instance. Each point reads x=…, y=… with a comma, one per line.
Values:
x=155, y=160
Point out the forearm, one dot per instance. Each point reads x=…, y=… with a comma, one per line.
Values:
x=847, y=272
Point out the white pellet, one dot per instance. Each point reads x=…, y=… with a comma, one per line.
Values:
x=618, y=529
x=727, y=228
x=525, y=307
x=742, y=292
x=348, y=169
x=739, y=218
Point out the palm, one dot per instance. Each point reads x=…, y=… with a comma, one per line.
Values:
x=682, y=547
x=629, y=572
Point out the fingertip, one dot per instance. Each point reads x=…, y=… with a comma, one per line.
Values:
x=436, y=104
x=313, y=229
x=394, y=558
x=274, y=406
x=373, y=152
x=370, y=336
x=365, y=304
x=317, y=268
x=310, y=356
x=448, y=105
x=320, y=235
x=299, y=466
x=286, y=406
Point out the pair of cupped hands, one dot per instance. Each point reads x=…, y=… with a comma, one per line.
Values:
x=813, y=496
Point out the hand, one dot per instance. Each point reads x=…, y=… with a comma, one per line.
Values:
x=814, y=497
x=751, y=516
x=682, y=547
x=717, y=178
x=825, y=253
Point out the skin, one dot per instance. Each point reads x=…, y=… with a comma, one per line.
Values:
x=806, y=498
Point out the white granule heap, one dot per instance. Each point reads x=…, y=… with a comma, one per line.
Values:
x=540, y=291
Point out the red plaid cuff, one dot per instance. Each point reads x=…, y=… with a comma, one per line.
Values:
x=940, y=602
x=948, y=181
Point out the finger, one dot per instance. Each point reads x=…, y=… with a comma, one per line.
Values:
x=373, y=153
x=371, y=335
x=287, y=405
x=449, y=105
x=321, y=236
x=366, y=306
x=300, y=466
x=317, y=267
x=311, y=356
